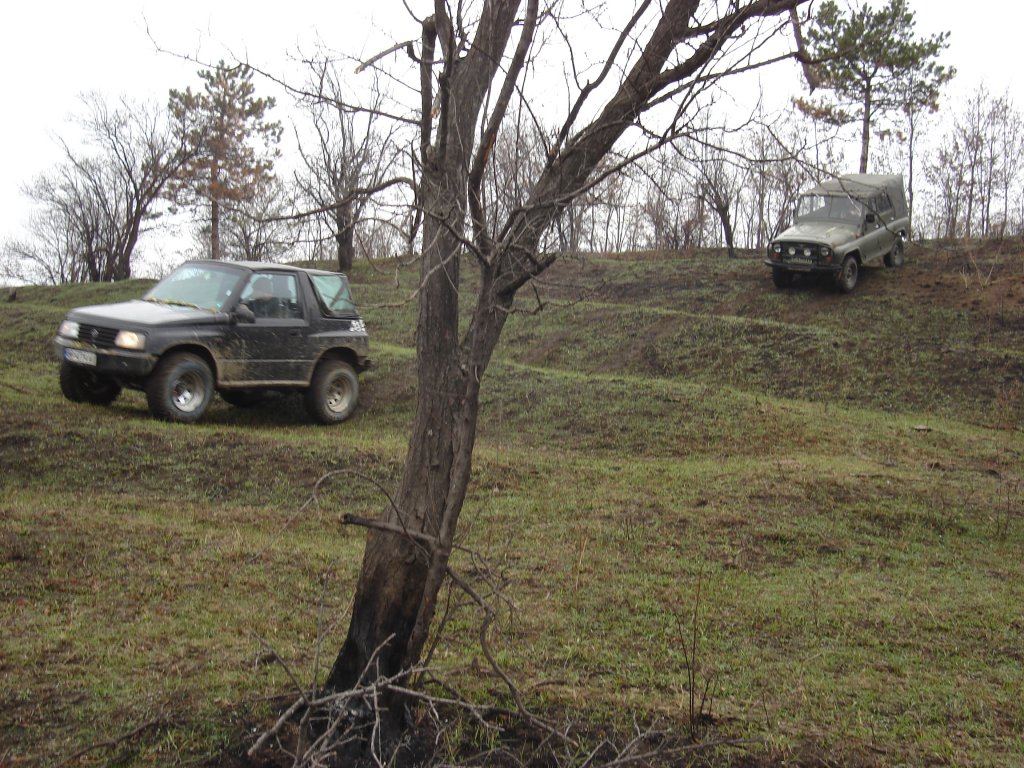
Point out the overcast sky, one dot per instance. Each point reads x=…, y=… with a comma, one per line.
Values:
x=53, y=50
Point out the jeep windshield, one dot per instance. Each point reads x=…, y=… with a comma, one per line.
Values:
x=830, y=208
x=202, y=286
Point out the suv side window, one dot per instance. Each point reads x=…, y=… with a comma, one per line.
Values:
x=272, y=295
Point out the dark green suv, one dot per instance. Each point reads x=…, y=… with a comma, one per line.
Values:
x=240, y=329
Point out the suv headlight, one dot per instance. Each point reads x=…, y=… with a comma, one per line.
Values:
x=130, y=340
x=68, y=329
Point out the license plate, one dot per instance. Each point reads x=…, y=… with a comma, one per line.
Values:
x=80, y=356
x=799, y=260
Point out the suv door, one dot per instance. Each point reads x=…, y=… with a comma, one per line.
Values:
x=274, y=348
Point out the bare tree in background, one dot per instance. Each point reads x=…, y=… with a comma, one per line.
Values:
x=261, y=227
x=94, y=205
x=472, y=74
x=347, y=159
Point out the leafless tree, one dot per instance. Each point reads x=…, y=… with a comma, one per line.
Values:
x=975, y=172
x=260, y=228
x=347, y=157
x=473, y=63
x=93, y=206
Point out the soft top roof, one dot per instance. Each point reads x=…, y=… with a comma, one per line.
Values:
x=859, y=185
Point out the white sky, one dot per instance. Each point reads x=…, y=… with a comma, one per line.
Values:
x=53, y=50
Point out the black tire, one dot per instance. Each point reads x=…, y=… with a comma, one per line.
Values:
x=334, y=392
x=782, y=278
x=80, y=385
x=894, y=258
x=180, y=389
x=846, y=278
x=243, y=398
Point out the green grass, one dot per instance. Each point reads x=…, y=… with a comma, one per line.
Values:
x=841, y=476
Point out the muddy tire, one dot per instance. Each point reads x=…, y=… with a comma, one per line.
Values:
x=333, y=393
x=80, y=385
x=894, y=258
x=180, y=389
x=846, y=279
x=782, y=278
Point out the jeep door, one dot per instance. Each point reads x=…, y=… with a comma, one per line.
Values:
x=878, y=236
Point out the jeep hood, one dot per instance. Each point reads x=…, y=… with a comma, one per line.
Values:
x=143, y=313
x=830, y=233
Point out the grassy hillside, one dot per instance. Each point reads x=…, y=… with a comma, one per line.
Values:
x=839, y=478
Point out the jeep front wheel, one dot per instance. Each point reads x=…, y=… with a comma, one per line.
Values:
x=180, y=389
x=333, y=393
x=782, y=278
x=847, y=277
x=81, y=385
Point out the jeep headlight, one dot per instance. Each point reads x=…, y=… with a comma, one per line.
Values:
x=68, y=329
x=130, y=340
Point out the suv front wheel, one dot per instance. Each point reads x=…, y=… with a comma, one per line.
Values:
x=81, y=385
x=333, y=392
x=181, y=387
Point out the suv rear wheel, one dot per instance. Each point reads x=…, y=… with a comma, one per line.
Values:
x=333, y=393
x=181, y=387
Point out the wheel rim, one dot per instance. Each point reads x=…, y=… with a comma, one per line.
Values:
x=339, y=395
x=189, y=392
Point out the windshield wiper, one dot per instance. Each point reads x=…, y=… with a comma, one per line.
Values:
x=175, y=303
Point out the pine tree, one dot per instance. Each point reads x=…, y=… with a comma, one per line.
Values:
x=872, y=64
x=234, y=145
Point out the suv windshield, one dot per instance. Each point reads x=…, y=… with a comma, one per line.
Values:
x=833, y=207
x=196, y=285
x=335, y=296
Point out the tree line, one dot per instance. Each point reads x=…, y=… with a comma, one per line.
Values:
x=214, y=153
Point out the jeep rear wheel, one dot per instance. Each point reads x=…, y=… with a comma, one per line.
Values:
x=333, y=393
x=894, y=258
x=81, y=385
x=180, y=389
x=846, y=279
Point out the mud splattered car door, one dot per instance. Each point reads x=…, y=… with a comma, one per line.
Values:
x=274, y=348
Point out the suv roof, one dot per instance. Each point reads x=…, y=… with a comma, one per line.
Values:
x=857, y=185
x=255, y=266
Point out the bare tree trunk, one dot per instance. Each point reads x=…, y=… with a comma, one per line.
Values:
x=214, y=228
x=407, y=554
x=345, y=236
x=865, y=132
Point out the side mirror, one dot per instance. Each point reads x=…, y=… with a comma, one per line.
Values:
x=243, y=314
x=870, y=218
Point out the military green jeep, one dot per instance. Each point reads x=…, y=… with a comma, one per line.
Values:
x=842, y=225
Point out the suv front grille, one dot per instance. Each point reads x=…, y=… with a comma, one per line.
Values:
x=96, y=335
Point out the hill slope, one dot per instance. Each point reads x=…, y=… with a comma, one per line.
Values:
x=839, y=479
